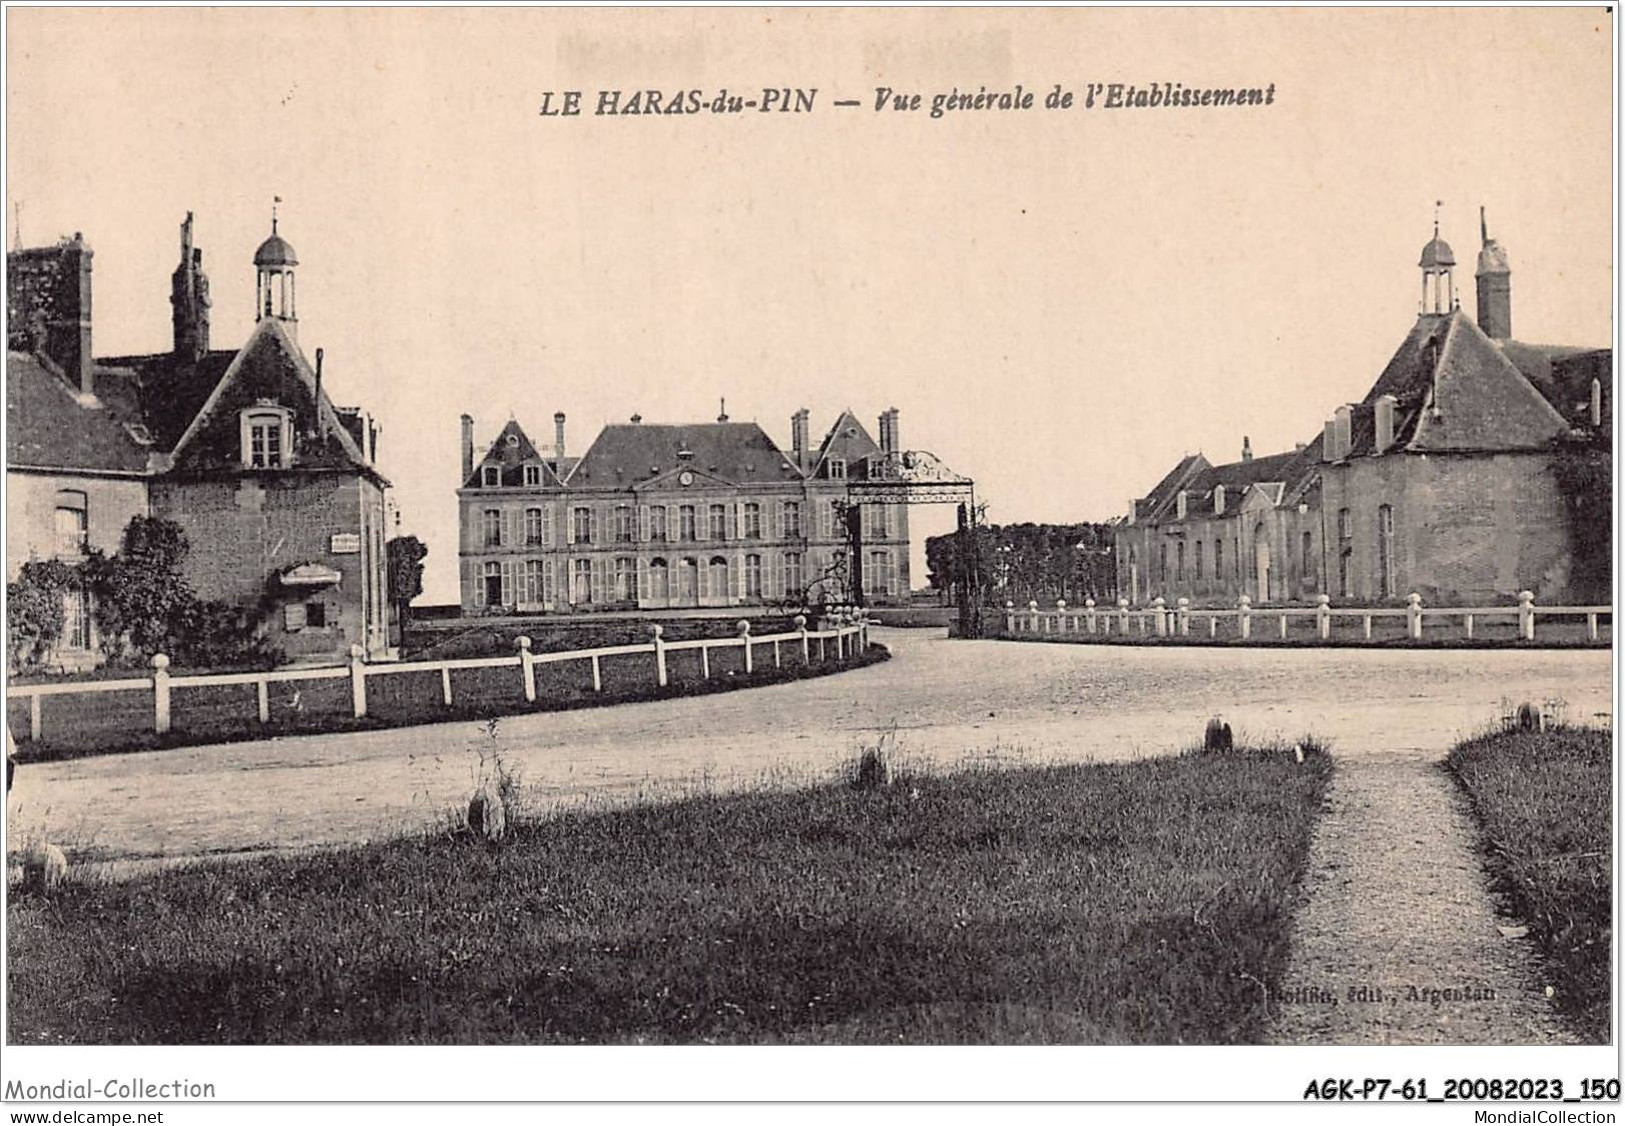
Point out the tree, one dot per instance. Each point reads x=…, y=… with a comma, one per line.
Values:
x=35, y=614
x=404, y=556
x=142, y=600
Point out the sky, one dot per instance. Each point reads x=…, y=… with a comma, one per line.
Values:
x=1060, y=303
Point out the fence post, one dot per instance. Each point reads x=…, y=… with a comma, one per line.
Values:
x=744, y=639
x=660, y=654
x=1413, y=616
x=597, y=675
x=1323, y=616
x=1283, y=625
x=1060, y=608
x=1122, y=616
x=1089, y=613
x=1034, y=624
x=801, y=627
x=160, y=693
x=1591, y=626
x=1009, y=617
x=1467, y=620
x=1526, y=615
x=445, y=685
x=1244, y=616
x=1184, y=616
x=262, y=689
x=358, y=681
x=776, y=653
x=526, y=667
x=34, y=717
x=1159, y=608
x=705, y=661
x=1366, y=627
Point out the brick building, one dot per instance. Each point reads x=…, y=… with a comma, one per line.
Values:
x=657, y=516
x=1444, y=480
x=275, y=487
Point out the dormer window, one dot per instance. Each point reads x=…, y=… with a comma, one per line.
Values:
x=533, y=475
x=491, y=476
x=266, y=437
x=837, y=468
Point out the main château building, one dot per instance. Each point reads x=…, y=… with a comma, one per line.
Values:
x=662, y=516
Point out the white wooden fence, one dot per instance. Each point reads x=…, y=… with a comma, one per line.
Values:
x=847, y=635
x=1246, y=622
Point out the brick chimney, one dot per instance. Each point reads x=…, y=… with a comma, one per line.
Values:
x=558, y=435
x=1246, y=448
x=48, y=307
x=1383, y=420
x=1494, y=279
x=888, y=431
x=189, y=298
x=798, y=438
x=468, y=447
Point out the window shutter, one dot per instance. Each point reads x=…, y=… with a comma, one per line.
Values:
x=602, y=587
x=477, y=576
x=643, y=581
x=507, y=582
x=547, y=525
x=293, y=615
x=736, y=577
x=702, y=575
x=603, y=524
x=547, y=583
x=569, y=524
x=464, y=567
x=730, y=521
x=643, y=523
x=891, y=574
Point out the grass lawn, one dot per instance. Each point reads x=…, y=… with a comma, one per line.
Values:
x=1131, y=903
x=1543, y=801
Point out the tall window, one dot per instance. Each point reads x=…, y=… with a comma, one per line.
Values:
x=659, y=580
x=1385, y=549
x=491, y=525
x=877, y=577
x=792, y=519
x=792, y=574
x=1164, y=571
x=72, y=523
x=716, y=578
x=879, y=521
x=1345, y=550
x=753, y=576
x=1307, y=567
x=626, y=580
x=688, y=580
x=657, y=522
x=1179, y=556
x=753, y=521
x=581, y=580
x=533, y=527
x=535, y=588
x=1218, y=559
x=75, y=619
x=1198, y=560
x=493, y=583
x=265, y=438
x=581, y=518
x=717, y=522
x=685, y=522
x=623, y=523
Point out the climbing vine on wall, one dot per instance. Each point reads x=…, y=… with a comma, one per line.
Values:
x=1585, y=477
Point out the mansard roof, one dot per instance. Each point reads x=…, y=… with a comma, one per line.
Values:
x=1286, y=477
x=627, y=454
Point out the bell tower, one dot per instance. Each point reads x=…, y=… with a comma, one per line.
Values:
x=273, y=270
x=1438, y=283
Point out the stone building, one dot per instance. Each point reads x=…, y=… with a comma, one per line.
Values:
x=662, y=516
x=1445, y=479
x=275, y=487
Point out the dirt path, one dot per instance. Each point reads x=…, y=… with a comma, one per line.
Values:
x=1399, y=941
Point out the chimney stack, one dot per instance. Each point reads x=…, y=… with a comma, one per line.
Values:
x=558, y=435
x=1494, y=279
x=1384, y=422
x=48, y=307
x=1246, y=448
x=189, y=298
x=798, y=438
x=1343, y=424
x=468, y=447
x=888, y=431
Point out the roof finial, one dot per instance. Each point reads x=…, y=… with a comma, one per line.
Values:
x=1483, y=226
x=722, y=412
x=276, y=199
x=1437, y=204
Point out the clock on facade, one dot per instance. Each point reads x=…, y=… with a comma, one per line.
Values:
x=685, y=478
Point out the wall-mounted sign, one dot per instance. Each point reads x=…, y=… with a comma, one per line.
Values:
x=345, y=543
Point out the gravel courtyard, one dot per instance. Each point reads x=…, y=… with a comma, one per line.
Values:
x=947, y=700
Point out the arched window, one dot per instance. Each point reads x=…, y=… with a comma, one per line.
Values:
x=716, y=580
x=659, y=580
x=753, y=576
x=266, y=438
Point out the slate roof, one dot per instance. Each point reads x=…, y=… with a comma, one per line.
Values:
x=146, y=404
x=625, y=454
x=1484, y=399
x=49, y=425
x=1292, y=473
x=513, y=457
